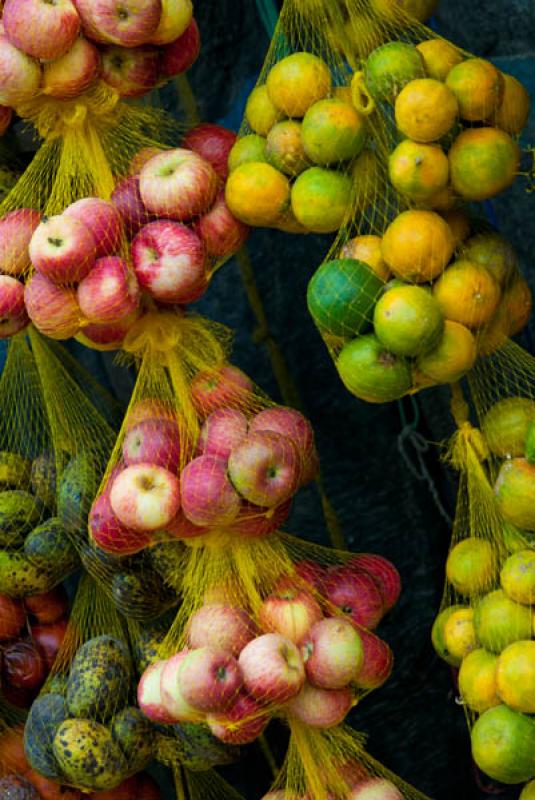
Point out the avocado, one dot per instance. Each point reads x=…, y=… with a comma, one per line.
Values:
x=20, y=511
x=48, y=546
x=77, y=489
x=88, y=756
x=99, y=679
x=19, y=577
x=46, y=715
x=134, y=734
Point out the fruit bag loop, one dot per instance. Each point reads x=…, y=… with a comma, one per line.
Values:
x=484, y=629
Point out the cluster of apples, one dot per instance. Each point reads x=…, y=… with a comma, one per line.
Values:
x=307, y=653
x=164, y=228
x=60, y=49
x=240, y=475
x=31, y=633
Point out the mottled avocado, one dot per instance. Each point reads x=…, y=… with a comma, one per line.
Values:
x=141, y=595
x=146, y=646
x=15, y=471
x=88, y=756
x=13, y=787
x=166, y=558
x=48, y=546
x=19, y=577
x=20, y=511
x=135, y=736
x=44, y=479
x=46, y=715
x=194, y=746
x=99, y=679
x=56, y=684
x=77, y=489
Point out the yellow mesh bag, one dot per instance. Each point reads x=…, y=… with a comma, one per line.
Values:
x=366, y=124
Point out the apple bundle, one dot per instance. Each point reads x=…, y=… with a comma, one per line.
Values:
x=387, y=155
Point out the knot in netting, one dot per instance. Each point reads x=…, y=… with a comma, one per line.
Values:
x=157, y=332
x=466, y=443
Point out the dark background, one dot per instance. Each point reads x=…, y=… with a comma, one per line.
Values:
x=380, y=465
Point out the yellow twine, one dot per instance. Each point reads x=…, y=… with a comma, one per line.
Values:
x=362, y=99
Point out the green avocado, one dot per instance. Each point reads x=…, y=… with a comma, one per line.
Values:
x=77, y=489
x=194, y=746
x=99, y=679
x=146, y=646
x=141, y=595
x=44, y=479
x=87, y=755
x=134, y=734
x=19, y=513
x=45, y=716
x=15, y=471
x=19, y=577
x=49, y=547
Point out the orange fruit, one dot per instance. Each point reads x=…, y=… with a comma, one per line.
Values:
x=425, y=110
x=459, y=633
x=528, y=792
x=390, y=67
x=260, y=112
x=516, y=305
x=493, y=335
x=444, y=200
x=247, y=148
x=453, y=357
x=483, y=162
x=369, y=371
x=257, y=193
x=417, y=170
x=393, y=9
x=332, y=131
x=471, y=566
x=321, y=198
x=408, y=320
x=437, y=635
x=478, y=87
x=467, y=293
x=517, y=576
x=515, y=676
x=417, y=245
x=503, y=745
x=515, y=493
x=284, y=148
x=477, y=680
x=297, y=82
x=494, y=253
x=288, y=223
x=368, y=250
x=364, y=174
x=343, y=93
x=506, y=424
x=512, y=113
x=362, y=34
x=499, y=621
x=459, y=223
x=439, y=57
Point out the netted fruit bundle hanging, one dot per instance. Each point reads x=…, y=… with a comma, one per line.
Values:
x=366, y=124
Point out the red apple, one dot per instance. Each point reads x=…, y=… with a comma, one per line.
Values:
x=210, y=679
x=264, y=468
x=149, y=408
x=291, y=612
x=178, y=56
x=254, y=522
x=62, y=249
x=293, y=425
x=333, y=653
x=175, y=18
x=355, y=594
x=222, y=627
x=171, y=692
x=141, y=158
x=321, y=708
x=181, y=528
x=221, y=432
x=50, y=790
x=272, y=668
x=129, y=789
x=53, y=309
x=148, y=788
x=312, y=573
x=131, y=71
x=178, y=184
x=208, y=497
x=23, y=667
x=149, y=696
x=109, y=534
x=110, y=292
x=384, y=573
x=240, y=724
x=6, y=115
x=12, y=755
x=127, y=200
x=169, y=261
x=352, y=772
x=125, y=22
x=72, y=74
x=103, y=220
x=377, y=661
x=221, y=233
x=376, y=789
x=154, y=441
x=16, y=231
x=213, y=143
x=48, y=639
x=40, y=28
x=48, y=607
x=110, y=335
x=12, y=617
x=20, y=75
x=226, y=386
x=13, y=316
x=145, y=497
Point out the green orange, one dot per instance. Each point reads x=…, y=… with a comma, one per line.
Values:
x=248, y=148
x=257, y=193
x=517, y=304
x=321, y=199
x=390, y=67
x=439, y=57
x=425, y=110
x=483, y=162
x=419, y=9
x=459, y=223
x=477, y=680
x=471, y=566
x=459, y=633
x=371, y=372
x=284, y=148
x=333, y=131
x=478, y=87
x=517, y=577
x=515, y=493
x=512, y=113
x=514, y=539
x=417, y=245
x=529, y=443
x=506, y=424
x=499, y=621
x=503, y=745
x=417, y=170
x=453, y=357
x=437, y=635
x=467, y=293
x=298, y=81
x=515, y=676
x=260, y=112
x=367, y=248
x=408, y=320
x=365, y=177
x=528, y=792
x=494, y=253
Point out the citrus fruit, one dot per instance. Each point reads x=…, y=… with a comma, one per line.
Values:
x=419, y=9
x=417, y=245
x=517, y=303
x=260, y=112
x=297, y=82
x=512, y=113
x=529, y=444
x=417, y=170
x=515, y=539
x=444, y=200
x=459, y=633
x=408, y=321
x=341, y=295
x=370, y=372
x=453, y=357
x=321, y=198
x=477, y=680
x=493, y=335
x=368, y=250
x=517, y=577
x=505, y=425
x=494, y=253
x=503, y=745
x=390, y=67
x=515, y=676
x=425, y=110
x=284, y=148
x=437, y=635
x=459, y=223
x=249, y=148
x=288, y=223
x=364, y=174
x=528, y=792
x=478, y=87
x=362, y=33
x=499, y=621
x=483, y=162
x=439, y=57
x=467, y=293
x=471, y=566
x=515, y=492
x=257, y=193
x=333, y=131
